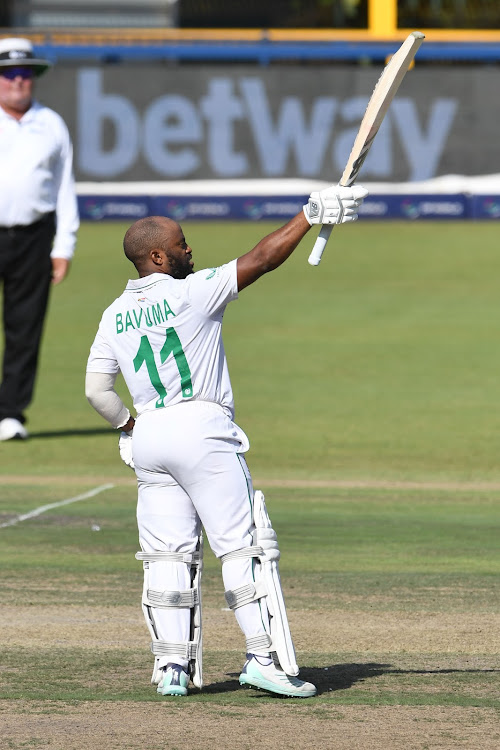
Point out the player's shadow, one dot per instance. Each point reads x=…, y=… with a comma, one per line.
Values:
x=342, y=676
x=338, y=677
x=92, y=431
x=326, y=679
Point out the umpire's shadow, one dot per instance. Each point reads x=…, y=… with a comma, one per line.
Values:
x=90, y=432
x=327, y=679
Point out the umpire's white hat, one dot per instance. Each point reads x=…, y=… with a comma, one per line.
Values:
x=17, y=52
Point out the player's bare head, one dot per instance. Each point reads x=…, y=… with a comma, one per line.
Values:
x=157, y=244
x=145, y=235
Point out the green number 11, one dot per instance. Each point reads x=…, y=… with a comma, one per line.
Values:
x=172, y=346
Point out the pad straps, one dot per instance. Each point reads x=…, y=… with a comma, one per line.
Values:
x=166, y=648
x=258, y=643
x=172, y=599
x=254, y=551
x=245, y=594
x=191, y=558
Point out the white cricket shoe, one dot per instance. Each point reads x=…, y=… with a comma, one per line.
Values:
x=12, y=429
x=175, y=681
x=275, y=680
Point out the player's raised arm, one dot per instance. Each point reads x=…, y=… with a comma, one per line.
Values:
x=334, y=205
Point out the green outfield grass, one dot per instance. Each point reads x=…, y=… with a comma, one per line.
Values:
x=369, y=388
x=382, y=362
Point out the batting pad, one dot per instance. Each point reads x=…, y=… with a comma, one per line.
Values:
x=267, y=584
x=153, y=600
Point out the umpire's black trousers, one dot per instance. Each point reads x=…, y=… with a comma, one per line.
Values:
x=26, y=271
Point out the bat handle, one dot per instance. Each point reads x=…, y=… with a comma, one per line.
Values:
x=320, y=244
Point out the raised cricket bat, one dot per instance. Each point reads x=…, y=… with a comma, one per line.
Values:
x=383, y=94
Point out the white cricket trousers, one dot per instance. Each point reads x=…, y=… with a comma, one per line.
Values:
x=191, y=473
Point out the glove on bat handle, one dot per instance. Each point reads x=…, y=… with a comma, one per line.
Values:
x=320, y=244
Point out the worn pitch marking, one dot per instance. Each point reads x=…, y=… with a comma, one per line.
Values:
x=43, y=508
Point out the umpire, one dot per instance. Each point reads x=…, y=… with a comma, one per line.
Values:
x=38, y=223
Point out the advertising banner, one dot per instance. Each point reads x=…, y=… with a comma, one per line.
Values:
x=282, y=208
x=155, y=121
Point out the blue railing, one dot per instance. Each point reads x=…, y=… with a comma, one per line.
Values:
x=266, y=52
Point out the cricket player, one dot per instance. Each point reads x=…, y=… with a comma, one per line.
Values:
x=164, y=335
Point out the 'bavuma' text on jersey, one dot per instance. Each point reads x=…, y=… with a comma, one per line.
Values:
x=153, y=315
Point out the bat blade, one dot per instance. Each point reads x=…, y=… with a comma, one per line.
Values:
x=380, y=101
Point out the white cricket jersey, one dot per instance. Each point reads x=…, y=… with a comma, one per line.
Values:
x=36, y=174
x=165, y=337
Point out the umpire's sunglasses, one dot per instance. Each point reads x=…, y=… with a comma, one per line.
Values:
x=12, y=73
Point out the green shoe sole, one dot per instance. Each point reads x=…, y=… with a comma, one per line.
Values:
x=263, y=684
x=176, y=690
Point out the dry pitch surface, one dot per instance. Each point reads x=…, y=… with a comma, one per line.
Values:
x=265, y=721
x=394, y=654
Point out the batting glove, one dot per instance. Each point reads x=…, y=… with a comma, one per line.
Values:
x=334, y=205
x=125, y=448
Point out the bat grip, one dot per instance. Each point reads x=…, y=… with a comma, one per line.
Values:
x=320, y=244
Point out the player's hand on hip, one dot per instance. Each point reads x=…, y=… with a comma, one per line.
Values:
x=334, y=205
x=125, y=447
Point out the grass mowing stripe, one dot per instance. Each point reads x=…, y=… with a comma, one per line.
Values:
x=44, y=508
x=367, y=483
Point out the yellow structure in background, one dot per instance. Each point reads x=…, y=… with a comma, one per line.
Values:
x=382, y=26
x=382, y=18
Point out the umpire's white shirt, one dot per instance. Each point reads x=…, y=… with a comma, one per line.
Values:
x=165, y=336
x=36, y=174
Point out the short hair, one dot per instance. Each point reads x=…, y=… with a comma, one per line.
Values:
x=143, y=236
